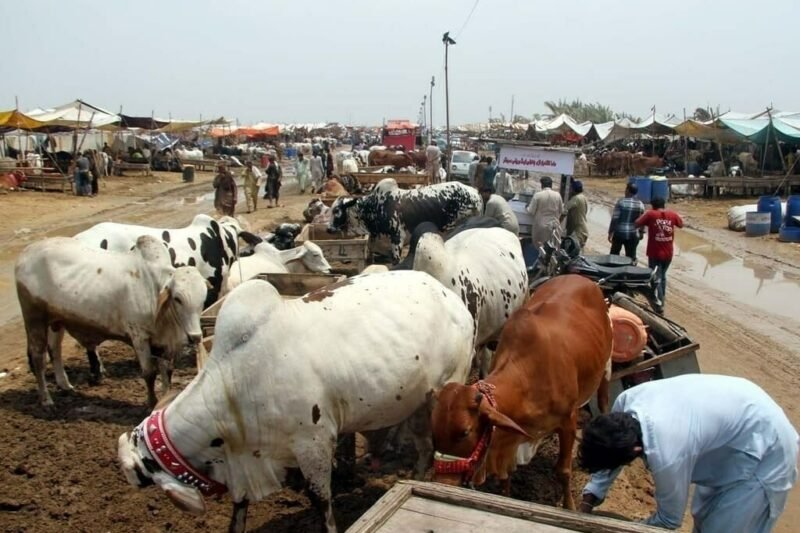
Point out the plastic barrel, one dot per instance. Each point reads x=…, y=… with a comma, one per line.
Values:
x=789, y=234
x=771, y=205
x=645, y=186
x=188, y=172
x=757, y=224
x=792, y=210
x=659, y=187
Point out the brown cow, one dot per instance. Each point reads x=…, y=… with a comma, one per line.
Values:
x=641, y=164
x=389, y=157
x=554, y=354
x=420, y=159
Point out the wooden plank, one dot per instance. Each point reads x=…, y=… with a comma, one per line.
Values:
x=528, y=511
x=417, y=517
x=382, y=510
x=658, y=360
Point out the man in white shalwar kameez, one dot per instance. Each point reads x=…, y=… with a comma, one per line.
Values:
x=546, y=208
x=723, y=434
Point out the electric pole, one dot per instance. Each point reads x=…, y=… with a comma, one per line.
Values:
x=447, y=40
x=433, y=82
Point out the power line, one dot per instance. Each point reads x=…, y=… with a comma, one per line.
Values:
x=468, y=18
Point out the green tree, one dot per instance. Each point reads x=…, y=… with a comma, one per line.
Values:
x=581, y=111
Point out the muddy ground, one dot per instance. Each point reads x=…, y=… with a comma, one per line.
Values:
x=58, y=468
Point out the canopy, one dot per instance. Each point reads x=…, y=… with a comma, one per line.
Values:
x=14, y=120
x=73, y=115
x=261, y=129
x=400, y=125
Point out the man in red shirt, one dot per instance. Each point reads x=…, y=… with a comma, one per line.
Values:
x=660, y=224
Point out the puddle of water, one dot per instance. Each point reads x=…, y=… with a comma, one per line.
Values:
x=769, y=289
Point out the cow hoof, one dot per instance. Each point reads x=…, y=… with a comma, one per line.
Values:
x=95, y=380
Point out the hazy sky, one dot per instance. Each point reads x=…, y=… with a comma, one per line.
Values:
x=361, y=61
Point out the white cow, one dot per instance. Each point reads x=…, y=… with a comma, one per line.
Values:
x=267, y=259
x=265, y=402
x=189, y=153
x=485, y=268
x=96, y=295
x=208, y=244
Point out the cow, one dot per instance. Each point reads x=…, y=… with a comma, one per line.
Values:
x=391, y=211
x=749, y=163
x=317, y=212
x=420, y=158
x=210, y=245
x=390, y=158
x=188, y=154
x=264, y=402
x=641, y=164
x=12, y=180
x=362, y=157
x=137, y=297
x=486, y=269
x=267, y=259
x=554, y=354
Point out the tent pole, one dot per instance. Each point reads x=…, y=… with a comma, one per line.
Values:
x=777, y=144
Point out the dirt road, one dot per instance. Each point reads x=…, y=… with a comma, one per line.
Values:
x=58, y=469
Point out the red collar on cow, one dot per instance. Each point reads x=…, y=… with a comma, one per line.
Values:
x=166, y=454
x=466, y=466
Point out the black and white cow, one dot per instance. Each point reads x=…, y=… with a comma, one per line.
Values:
x=210, y=245
x=394, y=212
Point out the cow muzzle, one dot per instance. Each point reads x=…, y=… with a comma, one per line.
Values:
x=194, y=338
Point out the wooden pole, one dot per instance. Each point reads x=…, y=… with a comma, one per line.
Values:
x=685, y=149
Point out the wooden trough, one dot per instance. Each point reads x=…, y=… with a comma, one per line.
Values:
x=347, y=254
x=287, y=285
x=414, y=506
x=405, y=181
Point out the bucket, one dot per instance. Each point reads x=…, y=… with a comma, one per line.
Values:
x=659, y=187
x=629, y=334
x=645, y=186
x=792, y=210
x=771, y=205
x=188, y=172
x=757, y=224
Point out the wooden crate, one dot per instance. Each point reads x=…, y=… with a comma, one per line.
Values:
x=404, y=181
x=414, y=506
x=287, y=285
x=47, y=182
x=349, y=253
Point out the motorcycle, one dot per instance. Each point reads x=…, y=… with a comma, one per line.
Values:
x=612, y=273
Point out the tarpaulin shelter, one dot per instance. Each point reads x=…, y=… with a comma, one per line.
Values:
x=72, y=116
x=262, y=129
x=14, y=120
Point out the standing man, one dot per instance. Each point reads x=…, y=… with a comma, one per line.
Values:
x=723, y=434
x=225, y=193
x=328, y=163
x=301, y=170
x=317, y=171
x=496, y=207
x=622, y=231
x=660, y=224
x=433, y=158
x=82, y=173
x=546, y=208
x=577, y=209
x=252, y=179
x=473, y=167
x=272, y=190
x=489, y=173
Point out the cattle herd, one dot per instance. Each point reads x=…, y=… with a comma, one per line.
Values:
x=392, y=346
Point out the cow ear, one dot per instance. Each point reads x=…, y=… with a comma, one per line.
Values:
x=163, y=298
x=496, y=418
x=250, y=238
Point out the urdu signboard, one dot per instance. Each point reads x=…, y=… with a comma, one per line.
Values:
x=536, y=159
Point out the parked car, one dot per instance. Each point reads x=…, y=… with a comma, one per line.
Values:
x=459, y=165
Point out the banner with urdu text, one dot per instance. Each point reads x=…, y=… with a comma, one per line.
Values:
x=536, y=160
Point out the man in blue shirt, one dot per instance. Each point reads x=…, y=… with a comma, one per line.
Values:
x=723, y=434
x=622, y=231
